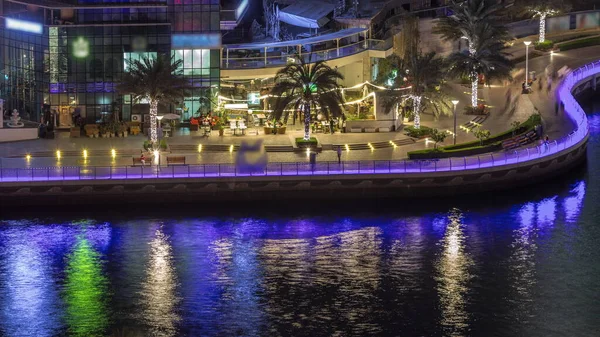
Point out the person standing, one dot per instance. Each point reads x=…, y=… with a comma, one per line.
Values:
x=339, y=154
x=331, y=124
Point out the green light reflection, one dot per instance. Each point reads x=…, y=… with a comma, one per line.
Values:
x=85, y=292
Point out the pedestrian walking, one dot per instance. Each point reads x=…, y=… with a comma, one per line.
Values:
x=540, y=84
x=339, y=154
x=313, y=161
x=331, y=125
x=143, y=159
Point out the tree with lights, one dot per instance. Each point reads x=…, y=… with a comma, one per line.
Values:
x=543, y=9
x=474, y=21
x=422, y=75
x=304, y=86
x=157, y=80
x=487, y=60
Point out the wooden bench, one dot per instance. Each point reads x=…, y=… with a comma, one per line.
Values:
x=175, y=160
x=137, y=161
x=384, y=129
x=355, y=130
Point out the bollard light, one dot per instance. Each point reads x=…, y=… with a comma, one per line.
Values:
x=113, y=153
x=199, y=147
x=230, y=148
x=347, y=147
x=57, y=154
x=28, y=157
x=85, y=154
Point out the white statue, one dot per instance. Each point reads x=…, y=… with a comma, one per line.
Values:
x=15, y=120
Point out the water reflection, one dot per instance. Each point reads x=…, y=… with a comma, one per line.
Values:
x=572, y=204
x=159, y=290
x=85, y=292
x=327, y=285
x=30, y=303
x=522, y=264
x=453, y=277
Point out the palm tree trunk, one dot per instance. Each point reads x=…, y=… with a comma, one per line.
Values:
x=474, y=84
x=153, y=114
x=307, y=121
x=542, y=28
x=417, y=102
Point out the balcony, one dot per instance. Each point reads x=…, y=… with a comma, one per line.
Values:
x=327, y=47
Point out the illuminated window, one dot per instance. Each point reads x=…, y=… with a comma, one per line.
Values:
x=194, y=61
x=129, y=57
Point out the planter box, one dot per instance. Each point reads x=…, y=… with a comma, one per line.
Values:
x=75, y=132
x=272, y=131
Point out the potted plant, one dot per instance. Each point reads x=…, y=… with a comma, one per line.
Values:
x=194, y=124
x=103, y=130
x=220, y=126
x=122, y=130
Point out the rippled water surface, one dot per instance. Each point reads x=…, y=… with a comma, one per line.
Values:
x=526, y=263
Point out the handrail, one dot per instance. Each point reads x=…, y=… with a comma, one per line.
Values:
x=265, y=60
x=405, y=166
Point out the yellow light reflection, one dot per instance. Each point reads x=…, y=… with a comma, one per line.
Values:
x=453, y=276
x=159, y=298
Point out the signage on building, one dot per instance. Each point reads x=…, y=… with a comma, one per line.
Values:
x=81, y=47
x=24, y=26
x=196, y=41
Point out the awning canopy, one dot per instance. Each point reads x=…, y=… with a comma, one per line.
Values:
x=309, y=14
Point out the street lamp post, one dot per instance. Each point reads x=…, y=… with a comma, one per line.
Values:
x=527, y=43
x=157, y=149
x=454, y=102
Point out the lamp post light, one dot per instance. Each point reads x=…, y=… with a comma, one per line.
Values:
x=157, y=148
x=527, y=43
x=454, y=102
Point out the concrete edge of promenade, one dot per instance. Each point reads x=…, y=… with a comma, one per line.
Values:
x=339, y=186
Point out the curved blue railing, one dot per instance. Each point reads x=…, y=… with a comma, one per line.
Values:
x=564, y=94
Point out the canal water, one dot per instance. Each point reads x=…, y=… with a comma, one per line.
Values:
x=520, y=263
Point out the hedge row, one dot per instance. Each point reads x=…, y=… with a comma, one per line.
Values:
x=591, y=41
x=491, y=144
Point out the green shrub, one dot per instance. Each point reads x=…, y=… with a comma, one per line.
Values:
x=417, y=133
x=591, y=41
x=443, y=153
x=162, y=144
x=475, y=147
x=544, y=46
x=306, y=143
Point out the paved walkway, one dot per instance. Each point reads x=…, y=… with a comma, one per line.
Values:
x=499, y=120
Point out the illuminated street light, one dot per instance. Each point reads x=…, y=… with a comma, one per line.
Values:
x=454, y=102
x=527, y=43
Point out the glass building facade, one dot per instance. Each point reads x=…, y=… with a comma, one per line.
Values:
x=75, y=63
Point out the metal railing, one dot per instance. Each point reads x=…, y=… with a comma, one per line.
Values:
x=265, y=61
x=406, y=166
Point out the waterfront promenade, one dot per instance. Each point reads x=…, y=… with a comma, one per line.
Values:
x=373, y=162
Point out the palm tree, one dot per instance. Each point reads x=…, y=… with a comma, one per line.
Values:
x=158, y=80
x=423, y=75
x=465, y=18
x=488, y=60
x=542, y=9
x=304, y=86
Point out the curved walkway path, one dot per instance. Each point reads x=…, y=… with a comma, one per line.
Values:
x=573, y=141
